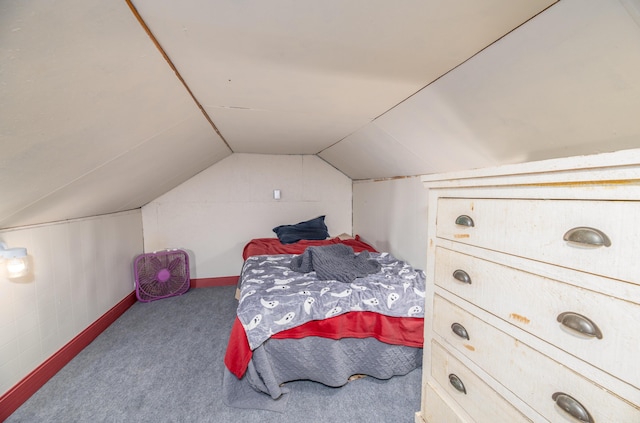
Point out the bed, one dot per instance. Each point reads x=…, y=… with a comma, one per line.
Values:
x=292, y=325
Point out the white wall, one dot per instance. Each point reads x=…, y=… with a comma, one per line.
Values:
x=79, y=270
x=214, y=214
x=391, y=214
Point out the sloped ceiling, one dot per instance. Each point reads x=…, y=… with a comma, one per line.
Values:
x=565, y=83
x=94, y=119
x=295, y=77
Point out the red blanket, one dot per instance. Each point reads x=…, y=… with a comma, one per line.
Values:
x=263, y=246
x=407, y=331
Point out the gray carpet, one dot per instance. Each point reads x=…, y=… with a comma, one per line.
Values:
x=163, y=362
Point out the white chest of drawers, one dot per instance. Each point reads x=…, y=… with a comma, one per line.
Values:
x=533, y=293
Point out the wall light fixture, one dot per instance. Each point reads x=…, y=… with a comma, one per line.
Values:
x=15, y=260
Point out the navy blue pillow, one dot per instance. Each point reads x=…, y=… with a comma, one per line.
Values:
x=314, y=229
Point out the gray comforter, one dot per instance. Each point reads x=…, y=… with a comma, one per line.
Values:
x=330, y=362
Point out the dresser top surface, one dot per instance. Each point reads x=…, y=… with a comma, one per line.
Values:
x=617, y=167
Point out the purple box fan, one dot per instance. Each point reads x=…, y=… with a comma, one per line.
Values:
x=161, y=274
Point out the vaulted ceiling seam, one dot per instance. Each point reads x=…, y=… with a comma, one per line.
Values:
x=372, y=121
x=166, y=57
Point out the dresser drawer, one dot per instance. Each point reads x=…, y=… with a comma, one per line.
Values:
x=534, y=304
x=530, y=375
x=535, y=229
x=436, y=410
x=481, y=402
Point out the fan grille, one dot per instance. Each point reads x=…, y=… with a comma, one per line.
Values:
x=161, y=274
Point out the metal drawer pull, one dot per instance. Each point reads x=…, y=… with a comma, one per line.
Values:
x=589, y=237
x=572, y=407
x=457, y=383
x=464, y=220
x=462, y=276
x=459, y=330
x=579, y=323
